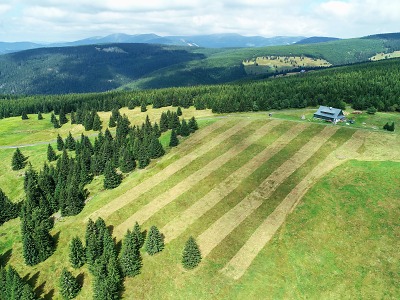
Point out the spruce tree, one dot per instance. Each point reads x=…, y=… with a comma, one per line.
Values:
x=111, y=178
x=96, y=122
x=174, y=139
x=184, y=130
x=18, y=160
x=191, y=255
x=138, y=235
x=156, y=149
x=69, y=286
x=193, y=124
x=91, y=250
x=70, y=142
x=163, y=122
x=76, y=253
x=173, y=121
x=62, y=117
x=127, y=161
x=154, y=241
x=112, y=122
x=24, y=116
x=51, y=154
x=143, y=107
x=179, y=111
x=29, y=249
x=115, y=113
x=13, y=287
x=54, y=120
x=130, y=259
x=143, y=156
x=88, y=121
x=60, y=143
x=39, y=116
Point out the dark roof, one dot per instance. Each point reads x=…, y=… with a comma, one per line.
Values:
x=325, y=112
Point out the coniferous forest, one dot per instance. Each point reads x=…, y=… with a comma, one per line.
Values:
x=373, y=84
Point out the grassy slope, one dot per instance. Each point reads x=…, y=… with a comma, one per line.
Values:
x=301, y=261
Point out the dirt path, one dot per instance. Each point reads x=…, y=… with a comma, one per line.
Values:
x=167, y=197
x=178, y=225
x=149, y=183
x=238, y=265
x=209, y=239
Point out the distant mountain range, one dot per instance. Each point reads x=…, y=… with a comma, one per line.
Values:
x=206, y=41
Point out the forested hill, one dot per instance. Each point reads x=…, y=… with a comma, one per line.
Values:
x=99, y=68
x=363, y=86
x=82, y=69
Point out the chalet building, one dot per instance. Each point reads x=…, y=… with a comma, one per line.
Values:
x=329, y=113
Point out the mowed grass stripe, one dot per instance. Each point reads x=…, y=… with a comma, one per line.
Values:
x=174, y=167
x=170, y=195
x=127, y=211
x=209, y=239
x=238, y=265
x=174, y=228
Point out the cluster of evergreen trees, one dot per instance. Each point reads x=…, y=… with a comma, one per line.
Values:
x=61, y=186
x=13, y=287
x=110, y=267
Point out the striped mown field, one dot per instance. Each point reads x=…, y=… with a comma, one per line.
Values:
x=232, y=186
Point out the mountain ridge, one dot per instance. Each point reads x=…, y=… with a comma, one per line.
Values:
x=225, y=40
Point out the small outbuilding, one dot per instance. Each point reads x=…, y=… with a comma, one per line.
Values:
x=329, y=113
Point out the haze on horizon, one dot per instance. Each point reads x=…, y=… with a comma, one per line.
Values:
x=67, y=20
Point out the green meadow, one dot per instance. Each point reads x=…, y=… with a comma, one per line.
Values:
x=339, y=238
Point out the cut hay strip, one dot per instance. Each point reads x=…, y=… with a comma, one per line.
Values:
x=209, y=239
x=167, y=197
x=238, y=265
x=178, y=225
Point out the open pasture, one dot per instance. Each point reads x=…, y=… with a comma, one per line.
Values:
x=277, y=208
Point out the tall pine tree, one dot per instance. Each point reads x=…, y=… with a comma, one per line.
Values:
x=130, y=259
x=69, y=286
x=173, y=142
x=111, y=178
x=51, y=154
x=76, y=253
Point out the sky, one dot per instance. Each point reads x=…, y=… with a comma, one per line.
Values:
x=68, y=20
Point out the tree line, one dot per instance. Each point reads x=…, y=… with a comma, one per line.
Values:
x=372, y=84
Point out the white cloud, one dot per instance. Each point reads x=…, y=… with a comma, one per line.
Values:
x=72, y=19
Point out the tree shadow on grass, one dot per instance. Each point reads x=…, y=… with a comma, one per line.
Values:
x=32, y=280
x=40, y=289
x=80, y=279
x=5, y=258
x=49, y=295
x=56, y=239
